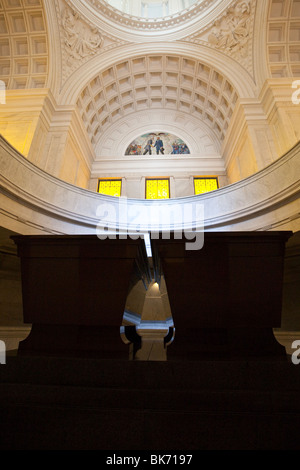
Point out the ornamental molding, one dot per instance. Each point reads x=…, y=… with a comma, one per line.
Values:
x=80, y=39
x=151, y=24
x=232, y=33
x=272, y=199
x=197, y=134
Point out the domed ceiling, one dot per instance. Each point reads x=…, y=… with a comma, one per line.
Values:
x=159, y=84
x=152, y=8
x=131, y=72
x=145, y=80
x=149, y=16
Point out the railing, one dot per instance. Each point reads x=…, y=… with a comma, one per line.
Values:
x=33, y=201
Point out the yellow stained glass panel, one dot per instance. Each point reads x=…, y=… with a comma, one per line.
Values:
x=110, y=187
x=157, y=189
x=204, y=185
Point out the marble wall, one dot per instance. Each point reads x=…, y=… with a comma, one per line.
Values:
x=50, y=136
x=32, y=201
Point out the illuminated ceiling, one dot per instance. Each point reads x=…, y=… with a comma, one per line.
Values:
x=140, y=16
x=182, y=68
x=152, y=8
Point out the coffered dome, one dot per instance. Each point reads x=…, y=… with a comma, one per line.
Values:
x=159, y=82
x=91, y=76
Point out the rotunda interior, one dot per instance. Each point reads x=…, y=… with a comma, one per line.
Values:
x=88, y=88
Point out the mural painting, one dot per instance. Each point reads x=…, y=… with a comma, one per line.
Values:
x=157, y=143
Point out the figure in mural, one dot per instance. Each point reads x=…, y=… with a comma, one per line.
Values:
x=175, y=149
x=163, y=143
x=159, y=145
x=134, y=149
x=184, y=149
x=148, y=147
x=179, y=148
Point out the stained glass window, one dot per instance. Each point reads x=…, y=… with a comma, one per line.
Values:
x=110, y=187
x=205, y=184
x=157, y=189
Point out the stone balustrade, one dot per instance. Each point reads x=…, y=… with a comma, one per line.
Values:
x=34, y=202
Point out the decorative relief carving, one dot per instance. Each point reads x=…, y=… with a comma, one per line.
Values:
x=232, y=33
x=80, y=39
x=152, y=24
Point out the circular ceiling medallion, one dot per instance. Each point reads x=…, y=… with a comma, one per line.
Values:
x=151, y=16
x=152, y=9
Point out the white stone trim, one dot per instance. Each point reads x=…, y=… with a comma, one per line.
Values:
x=197, y=17
x=197, y=135
x=264, y=201
x=230, y=68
